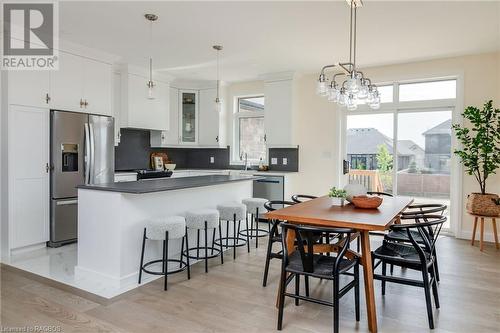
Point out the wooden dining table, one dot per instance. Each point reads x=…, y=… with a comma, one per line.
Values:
x=320, y=212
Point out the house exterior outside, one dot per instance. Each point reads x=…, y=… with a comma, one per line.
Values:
x=363, y=145
x=438, y=148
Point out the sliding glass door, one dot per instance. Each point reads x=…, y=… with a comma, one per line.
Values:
x=405, y=148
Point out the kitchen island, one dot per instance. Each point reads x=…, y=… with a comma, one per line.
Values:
x=111, y=218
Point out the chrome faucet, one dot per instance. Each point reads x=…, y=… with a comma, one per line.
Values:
x=246, y=160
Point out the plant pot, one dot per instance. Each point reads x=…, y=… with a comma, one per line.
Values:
x=482, y=204
x=337, y=201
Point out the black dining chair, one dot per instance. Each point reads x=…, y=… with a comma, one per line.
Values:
x=299, y=198
x=379, y=193
x=421, y=211
x=303, y=261
x=418, y=255
x=274, y=235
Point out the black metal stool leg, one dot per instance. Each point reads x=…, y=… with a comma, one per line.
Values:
x=206, y=248
x=213, y=241
x=257, y=229
x=234, y=235
x=221, y=247
x=182, y=252
x=165, y=259
x=187, y=257
x=248, y=237
x=198, y=243
x=227, y=234
x=142, y=254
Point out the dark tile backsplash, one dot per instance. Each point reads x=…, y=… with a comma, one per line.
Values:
x=134, y=150
x=291, y=154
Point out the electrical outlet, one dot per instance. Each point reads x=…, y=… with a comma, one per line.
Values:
x=274, y=160
x=212, y=160
x=285, y=161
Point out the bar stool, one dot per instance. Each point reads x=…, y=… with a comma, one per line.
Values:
x=165, y=229
x=233, y=212
x=204, y=219
x=254, y=206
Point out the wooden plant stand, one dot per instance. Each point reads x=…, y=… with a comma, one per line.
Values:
x=481, y=235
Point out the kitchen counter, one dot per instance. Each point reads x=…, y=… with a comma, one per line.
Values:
x=166, y=184
x=238, y=171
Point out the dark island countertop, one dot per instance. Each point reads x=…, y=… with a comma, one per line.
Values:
x=166, y=184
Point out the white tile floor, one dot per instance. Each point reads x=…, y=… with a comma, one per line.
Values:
x=59, y=264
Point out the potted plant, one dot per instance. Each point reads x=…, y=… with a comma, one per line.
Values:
x=338, y=196
x=480, y=154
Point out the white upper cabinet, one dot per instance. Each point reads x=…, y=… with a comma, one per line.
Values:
x=29, y=88
x=137, y=110
x=209, y=119
x=279, y=113
x=81, y=85
x=66, y=84
x=97, y=87
x=188, y=116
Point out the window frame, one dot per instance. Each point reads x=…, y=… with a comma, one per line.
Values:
x=237, y=115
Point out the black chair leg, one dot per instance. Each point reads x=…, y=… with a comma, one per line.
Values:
x=336, y=304
x=436, y=270
x=384, y=272
x=392, y=269
x=434, y=286
x=187, y=257
x=281, y=300
x=206, y=248
x=428, y=300
x=221, y=247
x=306, y=284
x=297, y=288
x=268, y=254
x=142, y=254
x=248, y=237
x=165, y=260
x=356, y=291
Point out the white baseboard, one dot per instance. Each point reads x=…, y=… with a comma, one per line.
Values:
x=28, y=248
x=488, y=236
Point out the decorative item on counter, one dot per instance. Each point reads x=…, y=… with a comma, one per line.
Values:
x=480, y=154
x=158, y=163
x=366, y=201
x=353, y=190
x=170, y=166
x=164, y=158
x=262, y=166
x=338, y=196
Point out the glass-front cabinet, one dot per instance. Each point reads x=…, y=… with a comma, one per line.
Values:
x=188, y=116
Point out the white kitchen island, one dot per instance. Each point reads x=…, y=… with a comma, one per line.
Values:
x=111, y=219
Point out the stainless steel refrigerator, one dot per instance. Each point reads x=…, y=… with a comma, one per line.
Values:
x=81, y=152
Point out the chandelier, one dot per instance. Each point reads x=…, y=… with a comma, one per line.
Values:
x=356, y=88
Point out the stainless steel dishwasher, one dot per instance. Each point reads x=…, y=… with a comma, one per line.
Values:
x=269, y=187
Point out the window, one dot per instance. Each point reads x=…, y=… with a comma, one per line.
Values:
x=432, y=90
x=249, y=129
x=386, y=93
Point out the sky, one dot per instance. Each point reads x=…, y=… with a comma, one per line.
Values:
x=410, y=125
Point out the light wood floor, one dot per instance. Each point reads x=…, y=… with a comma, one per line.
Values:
x=230, y=298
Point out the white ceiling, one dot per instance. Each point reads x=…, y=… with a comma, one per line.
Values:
x=264, y=37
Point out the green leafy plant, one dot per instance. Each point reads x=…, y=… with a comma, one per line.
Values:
x=337, y=193
x=480, y=153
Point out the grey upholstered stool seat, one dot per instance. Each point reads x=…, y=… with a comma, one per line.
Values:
x=204, y=220
x=165, y=229
x=227, y=211
x=233, y=212
x=255, y=207
x=175, y=225
x=196, y=219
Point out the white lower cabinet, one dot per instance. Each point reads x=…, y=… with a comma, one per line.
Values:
x=28, y=157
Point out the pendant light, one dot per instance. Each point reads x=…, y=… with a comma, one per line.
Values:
x=218, y=102
x=150, y=84
x=356, y=88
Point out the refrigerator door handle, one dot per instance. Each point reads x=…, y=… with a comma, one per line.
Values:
x=92, y=154
x=87, y=154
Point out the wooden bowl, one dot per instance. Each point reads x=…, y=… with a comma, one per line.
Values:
x=366, y=202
